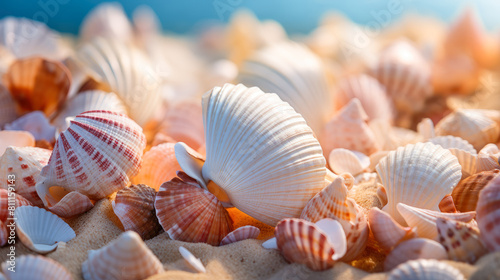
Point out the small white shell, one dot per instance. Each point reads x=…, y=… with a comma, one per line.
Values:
x=425, y=220
x=425, y=270
x=416, y=248
x=419, y=175
x=40, y=230
x=343, y=160
x=35, y=123
x=36, y=267
x=191, y=260
x=125, y=258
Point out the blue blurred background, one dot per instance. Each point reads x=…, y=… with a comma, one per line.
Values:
x=295, y=15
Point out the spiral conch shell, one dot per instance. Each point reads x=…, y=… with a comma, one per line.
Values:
x=257, y=147
x=126, y=257
x=128, y=72
x=296, y=75
x=419, y=175
x=95, y=156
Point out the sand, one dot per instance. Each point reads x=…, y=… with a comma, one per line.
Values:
x=241, y=260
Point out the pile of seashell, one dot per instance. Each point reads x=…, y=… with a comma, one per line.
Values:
x=391, y=150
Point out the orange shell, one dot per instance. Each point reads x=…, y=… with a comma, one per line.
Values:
x=466, y=193
x=189, y=213
x=4, y=204
x=488, y=215
x=134, y=206
x=241, y=233
x=38, y=84
x=72, y=204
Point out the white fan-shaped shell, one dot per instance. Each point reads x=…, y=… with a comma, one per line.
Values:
x=108, y=20
x=25, y=38
x=487, y=158
x=370, y=93
x=425, y=270
x=296, y=75
x=35, y=123
x=471, y=125
x=343, y=160
x=418, y=175
x=453, y=142
x=425, y=220
x=258, y=148
x=36, y=267
x=88, y=101
x=125, y=258
x=128, y=72
x=467, y=161
x=41, y=230
x=7, y=106
x=191, y=260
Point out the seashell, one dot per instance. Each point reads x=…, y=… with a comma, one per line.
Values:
x=387, y=231
x=447, y=205
x=35, y=123
x=128, y=72
x=135, y=207
x=426, y=129
x=146, y=23
x=415, y=248
x=16, y=139
x=382, y=195
x=419, y=175
x=6, y=59
x=467, y=36
x=466, y=193
x=70, y=205
x=126, y=257
x=452, y=142
x=470, y=125
x=348, y=130
x=460, y=240
x=41, y=41
x=467, y=161
x=389, y=138
x=375, y=159
x=107, y=20
x=184, y=123
x=343, y=160
x=25, y=163
x=487, y=158
x=296, y=75
x=4, y=234
x=425, y=270
x=105, y=151
x=455, y=74
x=189, y=213
x=5, y=212
x=254, y=154
x=332, y=202
x=36, y=267
x=89, y=101
x=304, y=242
x=369, y=92
x=24, y=77
x=239, y=234
x=7, y=107
x=40, y=230
x=406, y=76
x=488, y=211
x=191, y=260
x=159, y=165
x=425, y=220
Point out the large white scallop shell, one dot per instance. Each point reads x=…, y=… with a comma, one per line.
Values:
x=36, y=267
x=257, y=148
x=419, y=175
x=296, y=75
x=40, y=230
x=425, y=270
x=88, y=101
x=125, y=258
x=96, y=156
x=128, y=72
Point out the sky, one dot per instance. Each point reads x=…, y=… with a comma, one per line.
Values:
x=297, y=16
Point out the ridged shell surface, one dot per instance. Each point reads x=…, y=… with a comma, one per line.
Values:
x=241, y=233
x=36, y=267
x=258, y=148
x=96, y=156
x=466, y=193
x=418, y=175
x=425, y=270
x=488, y=215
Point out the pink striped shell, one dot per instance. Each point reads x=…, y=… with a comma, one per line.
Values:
x=95, y=156
x=239, y=234
x=488, y=214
